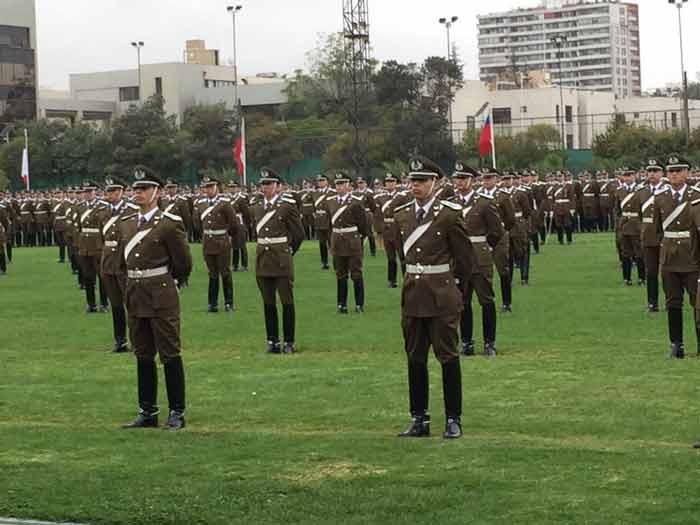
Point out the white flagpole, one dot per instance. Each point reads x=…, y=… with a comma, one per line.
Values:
x=25, y=160
x=243, y=152
x=493, y=139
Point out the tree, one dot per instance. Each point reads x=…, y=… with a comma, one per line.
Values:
x=271, y=144
x=207, y=133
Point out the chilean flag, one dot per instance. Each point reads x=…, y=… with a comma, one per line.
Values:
x=25, y=161
x=239, y=152
x=486, y=138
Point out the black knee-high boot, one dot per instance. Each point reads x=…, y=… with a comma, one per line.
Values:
x=488, y=320
x=418, y=388
x=271, y=323
x=213, y=292
x=3, y=263
x=104, y=301
x=627, y=269
x=175, y=384
x=324, y=253
x=227, y=281
x=452, y=389
x=119, y=327
x=8, y=249
x=147, y=377
x=244, y=257
x=359, y=289
x=288, y=322
x=467, y=323
x=652, y=290
x=372, y=245
x=235, y=255
x=641, y=269
x=675, y=325
x=392, y=271
x=506, y=289
x=342, y=289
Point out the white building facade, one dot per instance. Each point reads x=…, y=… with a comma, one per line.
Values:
x=601, y=51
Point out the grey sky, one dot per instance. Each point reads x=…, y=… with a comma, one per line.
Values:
x=77, y=36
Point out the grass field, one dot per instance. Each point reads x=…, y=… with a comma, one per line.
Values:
x=580, y=419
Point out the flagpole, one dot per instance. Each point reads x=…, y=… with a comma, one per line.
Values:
x=25, y=160
x=493, y=138
x=243, y=152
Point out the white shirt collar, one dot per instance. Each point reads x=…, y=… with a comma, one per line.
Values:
x=680, y=192
x=148, y=216
x=271, y=202
x=426, y=207
x=342, y=199
x=466, y=197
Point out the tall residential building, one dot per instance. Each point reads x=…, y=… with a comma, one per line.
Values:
x=18, y=63
x=600, y=50
x=196, y=52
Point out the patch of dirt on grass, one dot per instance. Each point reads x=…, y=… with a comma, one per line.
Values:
x=340, y=471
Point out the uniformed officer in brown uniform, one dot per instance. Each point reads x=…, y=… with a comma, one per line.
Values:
x=564, y=209
x=629, y=228
x=111, y=268
x=156, y=257
x=321, y=220
x=679, y=267
x=239, y=201
x=218, y=225
x=4, y=229
x=307, y=210
x=90, y=246
x=279, y=235
x=438, y=255
x=348, y=221
x=651, y=239
x=483, y=225
x=367, y=196
x=386, y=202
x=59, y=208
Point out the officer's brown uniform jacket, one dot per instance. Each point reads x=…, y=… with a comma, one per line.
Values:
x=350, y=215
x=564, y=199
x=111, y=263
x=650, y=236
x=218, y=218
x=239, y=201
x=606, y=196
x=440, y=239
x=679, y=245
x=370, y=206
x=321, y=219
x=4, y=225
x=483, y=226
x=26, y=212
x=627, y=204
x=90, y=228
x=386, y=203
x=177, y=205
x=59, y=212
x=590, y=196
x=42, y=212
x=279, y=236
x=161, y=242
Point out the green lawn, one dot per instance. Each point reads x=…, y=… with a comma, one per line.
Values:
x=581, y=419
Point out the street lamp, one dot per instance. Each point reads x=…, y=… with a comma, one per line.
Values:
x=684, y=78
x=233, y=10
x=138, y=45
x=559, y=42
x=448, y=25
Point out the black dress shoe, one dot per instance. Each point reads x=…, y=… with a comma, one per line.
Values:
x=524, y=283
x=288, y=348
x=677, y=351
x=104, y=309
x=628, y=283
x=468, y=348
x=212, y=309
x=143, y=420
x=506, y=308
x=273, y=347
x=342, y=309
x=176, y=420
x=228, y=308
x=89, y=309
x=393, y=285
x=490, y=349
x=120, y=347
x=419, y=427
x=359, y=309
x=325, y=266
x=653, y=308
x=453, y=428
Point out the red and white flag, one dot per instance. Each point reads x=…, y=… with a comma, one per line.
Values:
x=25, y=161
x=239, y=152
x=487, y=140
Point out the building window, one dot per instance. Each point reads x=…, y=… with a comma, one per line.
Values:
x=558, y=117
x=128, y=94
x=569, y=142
x=159, y=86
x=523, y=109
x=674, y=120
x=471, y=123
x=502, y=116
x=569, y=114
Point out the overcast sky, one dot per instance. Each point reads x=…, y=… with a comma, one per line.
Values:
x=78, y=36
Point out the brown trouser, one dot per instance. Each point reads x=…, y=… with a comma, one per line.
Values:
x=348, y=264
x=501, y=254
x=675, y=284
x=115, y=287
x=155, y=335
x=420, y=333
x=270, y=286
x=219, y=265
x=323, y=235
x=482, y=284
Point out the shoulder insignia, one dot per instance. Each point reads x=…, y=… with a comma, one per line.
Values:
x=485, y=196
x=127, y=217
x=225, y=199
x=288, y=200
x=357, y=198
x=132, y=206
x=403, y=206
x=451, y=205
x=695, y=202
x=172, y=216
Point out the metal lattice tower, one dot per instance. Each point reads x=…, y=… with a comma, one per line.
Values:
x=357, y=65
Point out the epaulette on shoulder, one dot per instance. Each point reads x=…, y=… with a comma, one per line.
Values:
x=127, y=217
x=485, y=196
x=224, y=199
x=403, y=206
x=695, y=202
x=356, y=197
x=288, y=200
x=181, y=197
x=172, y=216
x=451, y=205
x=132, y=206
x=103, y=203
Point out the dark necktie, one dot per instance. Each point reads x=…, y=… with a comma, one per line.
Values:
x=420, y=214
x=676, y=197
x=142, y=221
x=267, y=205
